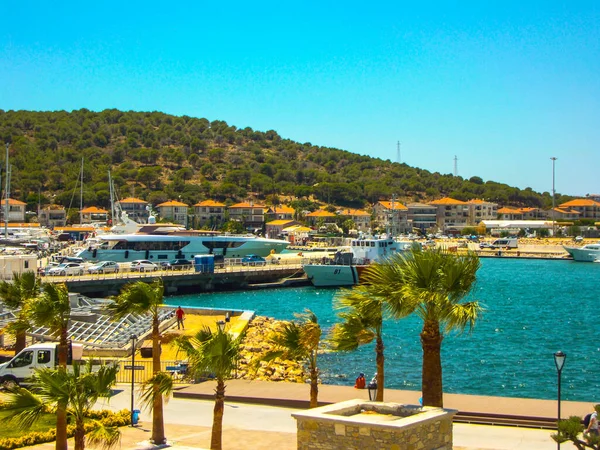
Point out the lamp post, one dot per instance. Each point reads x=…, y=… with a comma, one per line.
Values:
x=133, y=339
x=559, y=360
x=372, y=388
x=553, y=196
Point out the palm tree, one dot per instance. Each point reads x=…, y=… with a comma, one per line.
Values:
x=15, y=295
x=216, y=353
x=431, y=284
x=52, y=309
x=142, y=298
x=362, y=317
x=298, y=341
x=79, y=390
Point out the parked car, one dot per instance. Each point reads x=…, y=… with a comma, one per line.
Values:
x=253, y=260
x=66, y=269
x=104, y=267
x=177, y=264
x=142, y=265
x=486, y=245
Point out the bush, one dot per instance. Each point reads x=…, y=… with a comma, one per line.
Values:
x=107, y=418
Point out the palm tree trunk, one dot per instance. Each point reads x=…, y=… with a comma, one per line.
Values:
x=431, y=342
x=380, y=359
x=61, y=407
x=314, y=382
x=20, y=341
x=217, y=428
x=158, y=423
x=79, y=436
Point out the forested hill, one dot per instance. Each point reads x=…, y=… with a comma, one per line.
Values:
x=158, y=157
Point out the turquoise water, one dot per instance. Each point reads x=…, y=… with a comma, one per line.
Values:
x=533, y=309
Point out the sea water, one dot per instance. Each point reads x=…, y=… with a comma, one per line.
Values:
x=533, y=308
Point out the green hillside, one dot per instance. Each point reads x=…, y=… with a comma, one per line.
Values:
x=158, y=157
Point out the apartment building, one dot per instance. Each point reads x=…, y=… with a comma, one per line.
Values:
x=481, y=210
x=360, y=217
x=175, y=211
x=135, y=208
x=587, y=208
x=451, y=213
x=16, y=210
x=392, y=216
x=251, y=215
x=422, y=216
x=93, y=214
x=209, y=213
x=52, y=216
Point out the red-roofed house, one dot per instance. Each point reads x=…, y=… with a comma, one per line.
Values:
x=94, y=214
x=281, y=212
x=507, y=213
x=314, y=217
x=588, y=208
x=209, y=213
x=393, y=218
x=565, y=214
x=16, y=210
x=360, y=217
x=135, y=209
x=451, y=213
x=251, y=215
x=174, y=211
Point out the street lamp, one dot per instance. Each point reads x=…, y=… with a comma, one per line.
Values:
x=553, y=196
x=133, y=339
x=559, y=360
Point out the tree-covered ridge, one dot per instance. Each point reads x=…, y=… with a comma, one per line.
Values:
x=157, y=157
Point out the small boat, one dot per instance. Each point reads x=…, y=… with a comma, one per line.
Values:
x=587, y=253
x=345, y=268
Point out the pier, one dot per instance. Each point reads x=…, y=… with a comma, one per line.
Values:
x=187, y=281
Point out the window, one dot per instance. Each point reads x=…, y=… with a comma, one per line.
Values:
x=23, y=359
x=43, y=356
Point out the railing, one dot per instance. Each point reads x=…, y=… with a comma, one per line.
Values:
x=142, y=371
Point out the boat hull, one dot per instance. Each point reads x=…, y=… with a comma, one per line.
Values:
x=322, y=275
x=582, y=254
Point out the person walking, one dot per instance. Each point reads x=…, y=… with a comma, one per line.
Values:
x=592, y=426
x=180, y=314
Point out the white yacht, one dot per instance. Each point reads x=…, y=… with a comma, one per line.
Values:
x=160, y=242
x=345, y=267
x=587, y=253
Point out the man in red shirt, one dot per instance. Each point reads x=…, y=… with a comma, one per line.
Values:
x=180, y=314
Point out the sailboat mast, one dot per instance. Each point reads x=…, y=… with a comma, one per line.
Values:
x=7, y=194
x=112, y=199
x=81, y=195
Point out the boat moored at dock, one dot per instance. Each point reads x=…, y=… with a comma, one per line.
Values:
x=587, y=253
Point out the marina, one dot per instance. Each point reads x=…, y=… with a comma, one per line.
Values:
x=534, y=307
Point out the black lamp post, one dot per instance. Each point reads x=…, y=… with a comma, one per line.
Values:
x=133, y=338
x=372, y=388
x=559, y=360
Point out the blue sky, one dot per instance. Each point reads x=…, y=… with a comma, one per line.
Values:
x=501, y=85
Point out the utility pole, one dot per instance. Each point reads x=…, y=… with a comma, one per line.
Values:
x=398, y=158
x=7, y=194
x=553, y=197
x=455, y=166
x=81, y=195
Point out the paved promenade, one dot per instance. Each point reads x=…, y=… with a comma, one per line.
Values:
x=296, y=395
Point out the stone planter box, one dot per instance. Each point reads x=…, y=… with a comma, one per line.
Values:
x=361, y=425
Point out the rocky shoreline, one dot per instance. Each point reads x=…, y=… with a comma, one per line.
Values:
x=255, y=344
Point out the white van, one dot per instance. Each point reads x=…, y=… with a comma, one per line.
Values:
x=36, y=356
x=505, y=243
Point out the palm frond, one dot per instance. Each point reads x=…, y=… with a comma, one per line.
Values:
x=463, y=316
x=138, y=297
x=350, y=334
x=24, y=407
x=163, y=382
x=103, y=437
x=52, y=308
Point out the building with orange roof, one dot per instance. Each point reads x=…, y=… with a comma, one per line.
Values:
x=209, y=213
x=52, y=216
x=360, y=217
x=451, y=214
x=274, y=228
x=250, y=214
x=281, y=212
x=565, y=214
x=320, y=215
x=391, y=216
x=507, y=213
x=588, y=208
x=93, y=214
x=136, y=209
x=16, y=210
x=175, y=211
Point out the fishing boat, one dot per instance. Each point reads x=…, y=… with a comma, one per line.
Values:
x=587, y=253
x=345, y=268
x=164, y=242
